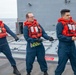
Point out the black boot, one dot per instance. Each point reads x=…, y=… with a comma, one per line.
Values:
x=28, y=74
x=15, y=71
x=45, y=73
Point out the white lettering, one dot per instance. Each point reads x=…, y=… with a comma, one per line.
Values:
x=70, y=26
x=0, y=30
x=32, y=29
x=73, y=27
x=36, y=28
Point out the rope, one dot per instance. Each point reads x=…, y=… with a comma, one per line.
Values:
x=50, y=44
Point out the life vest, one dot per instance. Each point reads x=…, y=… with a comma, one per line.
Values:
x=34, y=28
x=69, y=27
x=2, y=30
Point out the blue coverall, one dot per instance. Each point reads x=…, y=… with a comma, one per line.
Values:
x=4, y=47
x=66, y=50
x=38, y=51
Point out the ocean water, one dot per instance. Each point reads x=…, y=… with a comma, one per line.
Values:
x=10, y=22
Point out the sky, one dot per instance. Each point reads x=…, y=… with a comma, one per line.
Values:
x=8, y=8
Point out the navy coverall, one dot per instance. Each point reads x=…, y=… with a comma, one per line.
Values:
x=4, y=47
x=66, y=50
x=38, y=51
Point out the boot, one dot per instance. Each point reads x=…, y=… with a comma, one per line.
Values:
x=15, y=71
x=28, y=74
x=45, y=73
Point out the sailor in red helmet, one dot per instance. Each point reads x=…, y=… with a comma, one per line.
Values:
x=33, y=32
x=66, y=33
x=4, y=47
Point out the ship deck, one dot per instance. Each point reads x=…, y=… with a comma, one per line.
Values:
x=18, y=50
x=6, y=69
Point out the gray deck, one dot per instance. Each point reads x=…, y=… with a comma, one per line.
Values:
x=6, y=69
x=19, y=53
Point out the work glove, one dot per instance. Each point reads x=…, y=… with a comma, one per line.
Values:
x=39, y=40
x=51, y=38
x=16, y=38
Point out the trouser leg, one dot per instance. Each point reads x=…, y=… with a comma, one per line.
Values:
x=7, y=52
x=72, y=58
x=41, y=58
x=30, y=57
x=63, y=58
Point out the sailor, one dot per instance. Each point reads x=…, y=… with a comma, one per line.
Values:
x=66, y=33
x=4, y=47
x=32, y=33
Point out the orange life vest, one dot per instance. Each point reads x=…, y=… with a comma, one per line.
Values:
x=69, y=27
x=34, y=28
x=2, y=30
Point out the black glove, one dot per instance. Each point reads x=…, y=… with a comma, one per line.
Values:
x=51, y=39
x=39, y=40
x=16, y=39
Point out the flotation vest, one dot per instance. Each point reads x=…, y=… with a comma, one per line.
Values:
x=2, y=30
x=69, y=27
x=34, y=28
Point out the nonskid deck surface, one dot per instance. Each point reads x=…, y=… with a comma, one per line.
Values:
x=6, y=69
x=18, y=50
